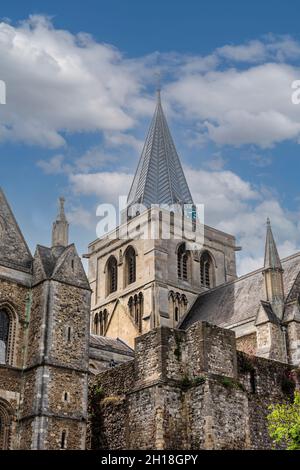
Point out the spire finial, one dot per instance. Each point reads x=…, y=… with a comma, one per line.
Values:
x=272, y=259
x=62, y=215
x=158, y=85
x=60, y=231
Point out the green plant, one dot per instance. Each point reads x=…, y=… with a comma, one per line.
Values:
x=231, y=383
x=284, y=423
x=98, y=391
x=199, y=380
x=186, y=382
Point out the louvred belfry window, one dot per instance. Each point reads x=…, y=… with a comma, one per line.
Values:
x=130, y=265
x=182, y=263
x=206, y=270
x=112, y=273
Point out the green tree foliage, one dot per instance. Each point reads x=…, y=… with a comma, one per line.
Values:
x=284, y=424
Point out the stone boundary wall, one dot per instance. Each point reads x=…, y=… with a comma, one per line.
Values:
x=186, y=390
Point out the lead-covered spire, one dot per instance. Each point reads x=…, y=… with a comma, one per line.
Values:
x=159, y=178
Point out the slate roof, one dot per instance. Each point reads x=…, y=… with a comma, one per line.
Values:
x=55, y=263
x=238, y=301
x=110, y=344
x=159, y=178
x=14, y=252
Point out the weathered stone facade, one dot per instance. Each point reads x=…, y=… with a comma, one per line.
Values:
x=45, y=307
x=186, y=390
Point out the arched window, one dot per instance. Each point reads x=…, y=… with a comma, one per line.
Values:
x=96, y=323
x=103, y=322
x=130, y=306
x=5, y=425
x=182, y=263
x=4, y=334
x=112, y=275
x=130, y=266
x=177, y=306
x=136, y=309
x=206, y=270
x=176, y=314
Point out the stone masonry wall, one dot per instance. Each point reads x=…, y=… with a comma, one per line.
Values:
x=187, y=390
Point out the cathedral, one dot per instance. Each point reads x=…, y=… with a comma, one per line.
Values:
x=62, y=330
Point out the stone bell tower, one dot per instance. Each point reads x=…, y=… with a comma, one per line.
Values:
x=145, y=278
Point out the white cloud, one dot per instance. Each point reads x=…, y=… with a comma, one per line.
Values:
x=54, y=166
x=79, y=216
x=106, y=185
x=248, y=106
x=271, y=49
x=234, y=206
x=59, y=82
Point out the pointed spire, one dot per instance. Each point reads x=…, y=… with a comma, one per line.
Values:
x=60, y=230
x=159, y=178
x=61, y=216
x=272, y=260
x=273, y=274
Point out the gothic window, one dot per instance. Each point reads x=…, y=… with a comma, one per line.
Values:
x=112, y=275
x=100, y=329
x=4, y=332
x=103, y=322
x=5, y=425
x=130, y=265
x=182, y=263
x=136, y=309
x=176, y=314
x=130, y=306
x=183, y=303
x=96, y=324
x=177, y=306
x=206, y=270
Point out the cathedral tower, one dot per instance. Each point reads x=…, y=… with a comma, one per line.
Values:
x=150, y=277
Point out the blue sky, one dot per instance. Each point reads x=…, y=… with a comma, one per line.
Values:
x=80, y=94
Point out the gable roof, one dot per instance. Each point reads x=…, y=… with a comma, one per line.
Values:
x=14, y=252
x=159, y=178
x=61, y=264
x=238, y=301
x=110, y=344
